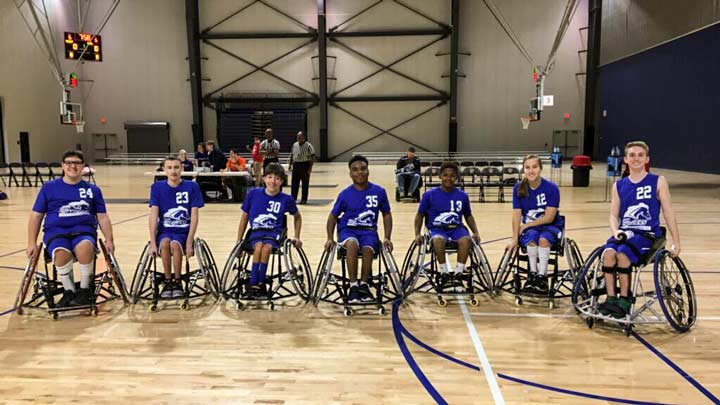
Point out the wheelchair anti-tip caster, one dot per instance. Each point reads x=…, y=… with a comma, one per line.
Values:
x=54, y=316
x=271, y=306
x=239, y=305
x=442, y=302
x=348, y=312
x=590, y=322
x=474, y=302
x=93, y=311
x=381, y=311
x=518, y=301
x=152, y=307
x=185, y=306
x=551, y=304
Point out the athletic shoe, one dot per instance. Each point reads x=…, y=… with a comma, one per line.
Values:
x=624, y=304
x=66, y=299
x=443, y=282
x=457, y=283
x=541, y=285
x=167, y=291
x=83, y=297
x=365, y=294
x=177, y=289
x=531, y=283
x=354, y=295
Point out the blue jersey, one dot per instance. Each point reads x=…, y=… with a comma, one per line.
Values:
x=359, y=209
x=639, y=204
x=444, y=209
x=69, y=208
x=532, y=207
x=266, y=212
x=175, y=204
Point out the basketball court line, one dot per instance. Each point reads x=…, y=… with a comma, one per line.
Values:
x=487, y=368
x=563, y=316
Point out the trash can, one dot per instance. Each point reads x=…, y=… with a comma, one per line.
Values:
x=581, y=166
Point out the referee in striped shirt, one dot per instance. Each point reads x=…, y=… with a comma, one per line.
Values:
x=302, y=157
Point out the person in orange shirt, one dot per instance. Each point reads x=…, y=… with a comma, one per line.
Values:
x=238, y=185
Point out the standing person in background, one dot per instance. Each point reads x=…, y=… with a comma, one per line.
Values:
x=187, y=164
x=201, y=155
x=302, y=157
x=257, y=166
x=269, y=148
x=217, y=161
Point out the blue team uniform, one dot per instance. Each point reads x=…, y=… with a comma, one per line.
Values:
x=358, y=212
x=443, y=211
x=266, y=215
x=175, y=204
x=532, y=207
x=639, y=214
x=70, y=209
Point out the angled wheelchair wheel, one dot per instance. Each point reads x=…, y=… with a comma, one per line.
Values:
x=141, y=274
x=503, y=272
x=299, y=270
x=484, y=271
x=228, y=280
x=589, y=284
x=208, y=266
x=113, y=269
x=573, y=256
x=322, y=276
x=396, y=284
x=675, y=291
x=27, y=279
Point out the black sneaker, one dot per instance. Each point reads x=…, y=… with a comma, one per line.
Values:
x=530, y=283
x=365, y=294
x=66, y=299
x=177, y=289
x=541, y=285
x=262, y=291
x=83, y=297
x=167, y=290
x=457, y=283
x=354, y=295
x=443, y=282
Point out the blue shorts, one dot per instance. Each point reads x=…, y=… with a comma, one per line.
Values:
x=69, y=243
x=179, y=238
x=534, y=234
x=269, y=237
x=363, y=237
x=450, y=234
x=634, y=248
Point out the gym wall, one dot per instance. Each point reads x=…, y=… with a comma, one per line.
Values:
x=144, y=73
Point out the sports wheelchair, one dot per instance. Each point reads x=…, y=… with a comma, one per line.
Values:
x=670, y=286
x=38, y=289
x=334, y=288
x=197, y=283
x=289, y=274
x=421, y=275
x=513, y=272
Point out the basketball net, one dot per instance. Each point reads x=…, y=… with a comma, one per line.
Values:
x=79, y=126
x=525, y=122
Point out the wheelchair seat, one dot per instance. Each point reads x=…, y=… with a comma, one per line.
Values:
x=658, y=243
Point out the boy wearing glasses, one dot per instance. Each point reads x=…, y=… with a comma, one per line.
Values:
x=72, y=209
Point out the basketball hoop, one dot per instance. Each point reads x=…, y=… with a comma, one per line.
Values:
x=525, y=122
x=79, y=126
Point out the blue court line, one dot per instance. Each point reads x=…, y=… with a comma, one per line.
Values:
x=397, y=329
x=7, y=311
x=432, y=350
x=576, y=393
x=677, y=368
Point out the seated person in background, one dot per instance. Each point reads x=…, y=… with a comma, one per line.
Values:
x=442, y=208
x=408, y=167
x=201, y=155
x=536, y=223
x=187, y=164
x=174, y=214
x=73, y=209
x=356, y=213
x=264, y=209
x=238, y=185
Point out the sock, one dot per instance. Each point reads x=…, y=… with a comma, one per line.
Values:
x=262, y=269
x=65, y=274
x=532, y=252
x=544, y=257
x=444, y=267
x=254, y=273
x=460, y=268
x=86, y=273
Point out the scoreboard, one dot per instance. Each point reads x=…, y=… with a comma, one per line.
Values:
x=78, y=42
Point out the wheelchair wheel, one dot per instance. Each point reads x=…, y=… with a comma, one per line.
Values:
x=412, y=265
x=141, y=274
x=675, y=291
x=113, y=269
x=323, y=275
x=574, y=256
x=27, y=279
x=207, y=263
x=300, y=272
x=484, y=271
x=228, y=281
x=589, y=283
x=504, y=269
